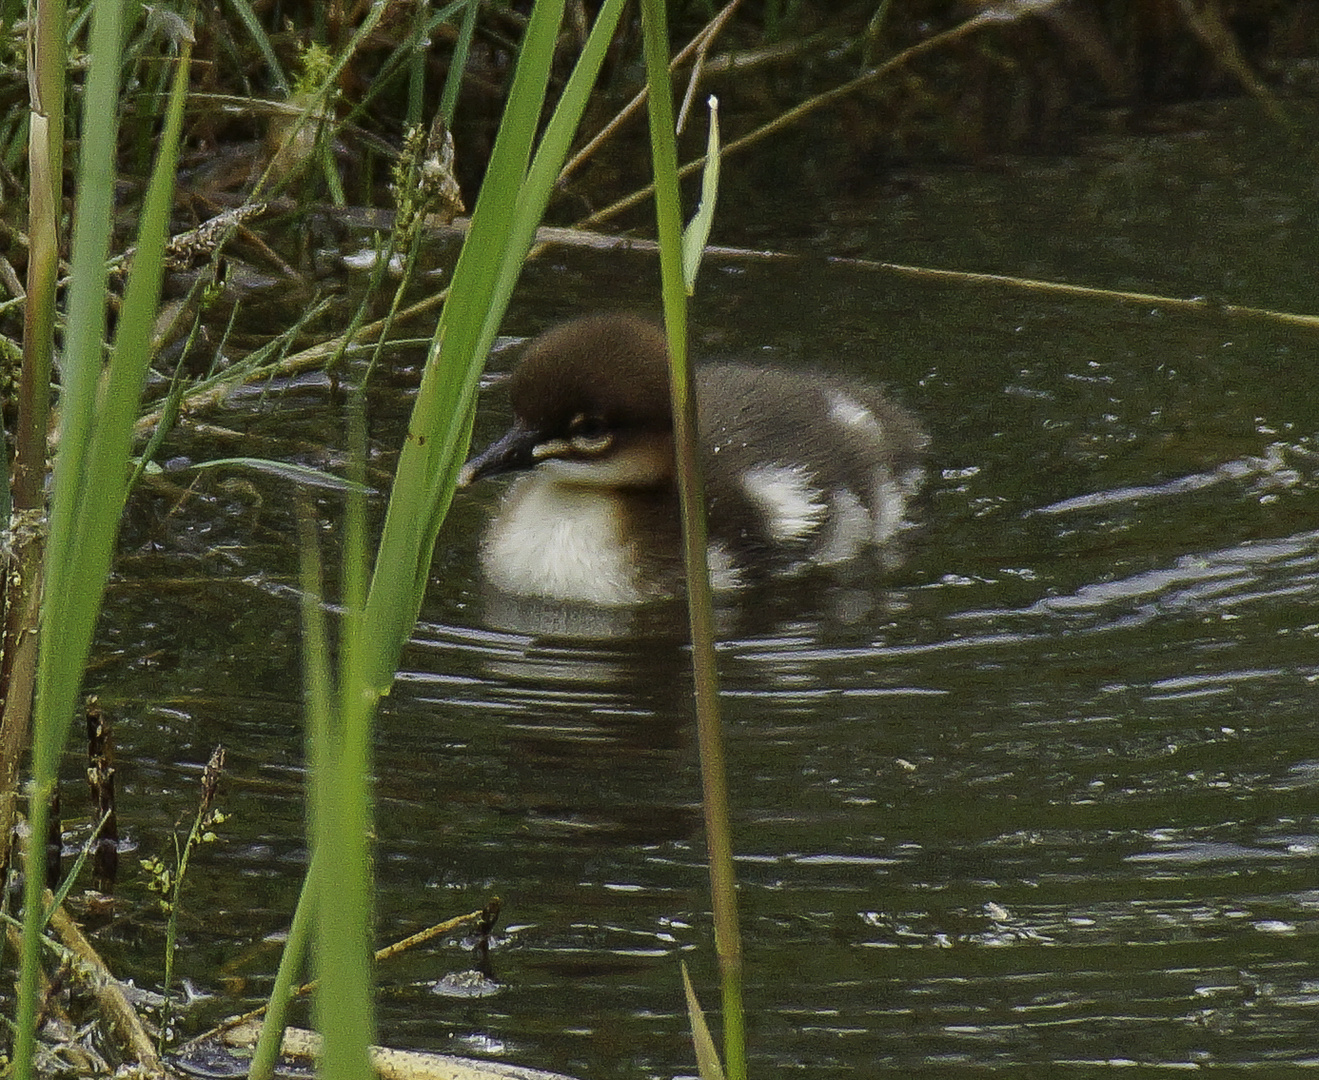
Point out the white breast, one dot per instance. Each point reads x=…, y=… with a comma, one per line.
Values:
x=561, y=542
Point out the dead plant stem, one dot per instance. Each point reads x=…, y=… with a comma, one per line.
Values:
x=698, y=44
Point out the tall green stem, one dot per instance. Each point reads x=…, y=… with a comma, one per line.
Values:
x=22, y=591
x=723, y=885
x=98, y=404
x=55, y=695
x=380, y=616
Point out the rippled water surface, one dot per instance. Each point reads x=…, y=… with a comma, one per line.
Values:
x=1042, y=797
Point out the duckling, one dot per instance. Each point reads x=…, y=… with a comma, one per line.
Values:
x=801, y=469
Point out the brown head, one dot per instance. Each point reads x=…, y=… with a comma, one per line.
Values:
x=591, y=397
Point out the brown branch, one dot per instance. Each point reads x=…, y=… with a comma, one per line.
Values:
x=114, y=1005
x=700, y=42
x=800, y=112
x=1207, y=24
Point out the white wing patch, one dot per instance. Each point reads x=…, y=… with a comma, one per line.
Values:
x=794, y=505
x=850, y=413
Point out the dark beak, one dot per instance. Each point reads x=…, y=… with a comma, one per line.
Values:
x=512, y=452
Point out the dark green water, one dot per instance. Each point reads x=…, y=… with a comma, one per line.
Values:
x=1041, y=800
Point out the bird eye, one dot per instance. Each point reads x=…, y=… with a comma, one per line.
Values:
x=587, y=426
x=589, y=436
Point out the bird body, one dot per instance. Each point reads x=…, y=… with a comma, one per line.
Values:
x=801, y=469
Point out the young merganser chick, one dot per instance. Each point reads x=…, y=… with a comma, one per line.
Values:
x=800, y=469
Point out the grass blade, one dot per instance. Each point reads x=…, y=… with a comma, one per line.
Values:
x=697, y=233
x=442, y=415
x=700, y=607
x=98, y=408
x=339, y=825
x=483, y=279
x=379, y=619
x=302, y=475
x=252, y=23
x=707, y=1057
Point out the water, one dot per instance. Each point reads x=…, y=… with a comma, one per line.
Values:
x=1040, y=799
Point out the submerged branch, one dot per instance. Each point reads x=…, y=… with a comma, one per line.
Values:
x=216, y=391
x=382, y=954
x=305, y=1048
x=114, y=1005
x=1197, y=305
x=548, y=236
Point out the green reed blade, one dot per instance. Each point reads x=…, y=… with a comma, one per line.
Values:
x=483, y=279
x=697, y=233
x=98, y=407
x=700, y=607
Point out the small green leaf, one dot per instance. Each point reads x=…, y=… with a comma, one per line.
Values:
x=697, y=233
x=707, y=1057
x=298, y=474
